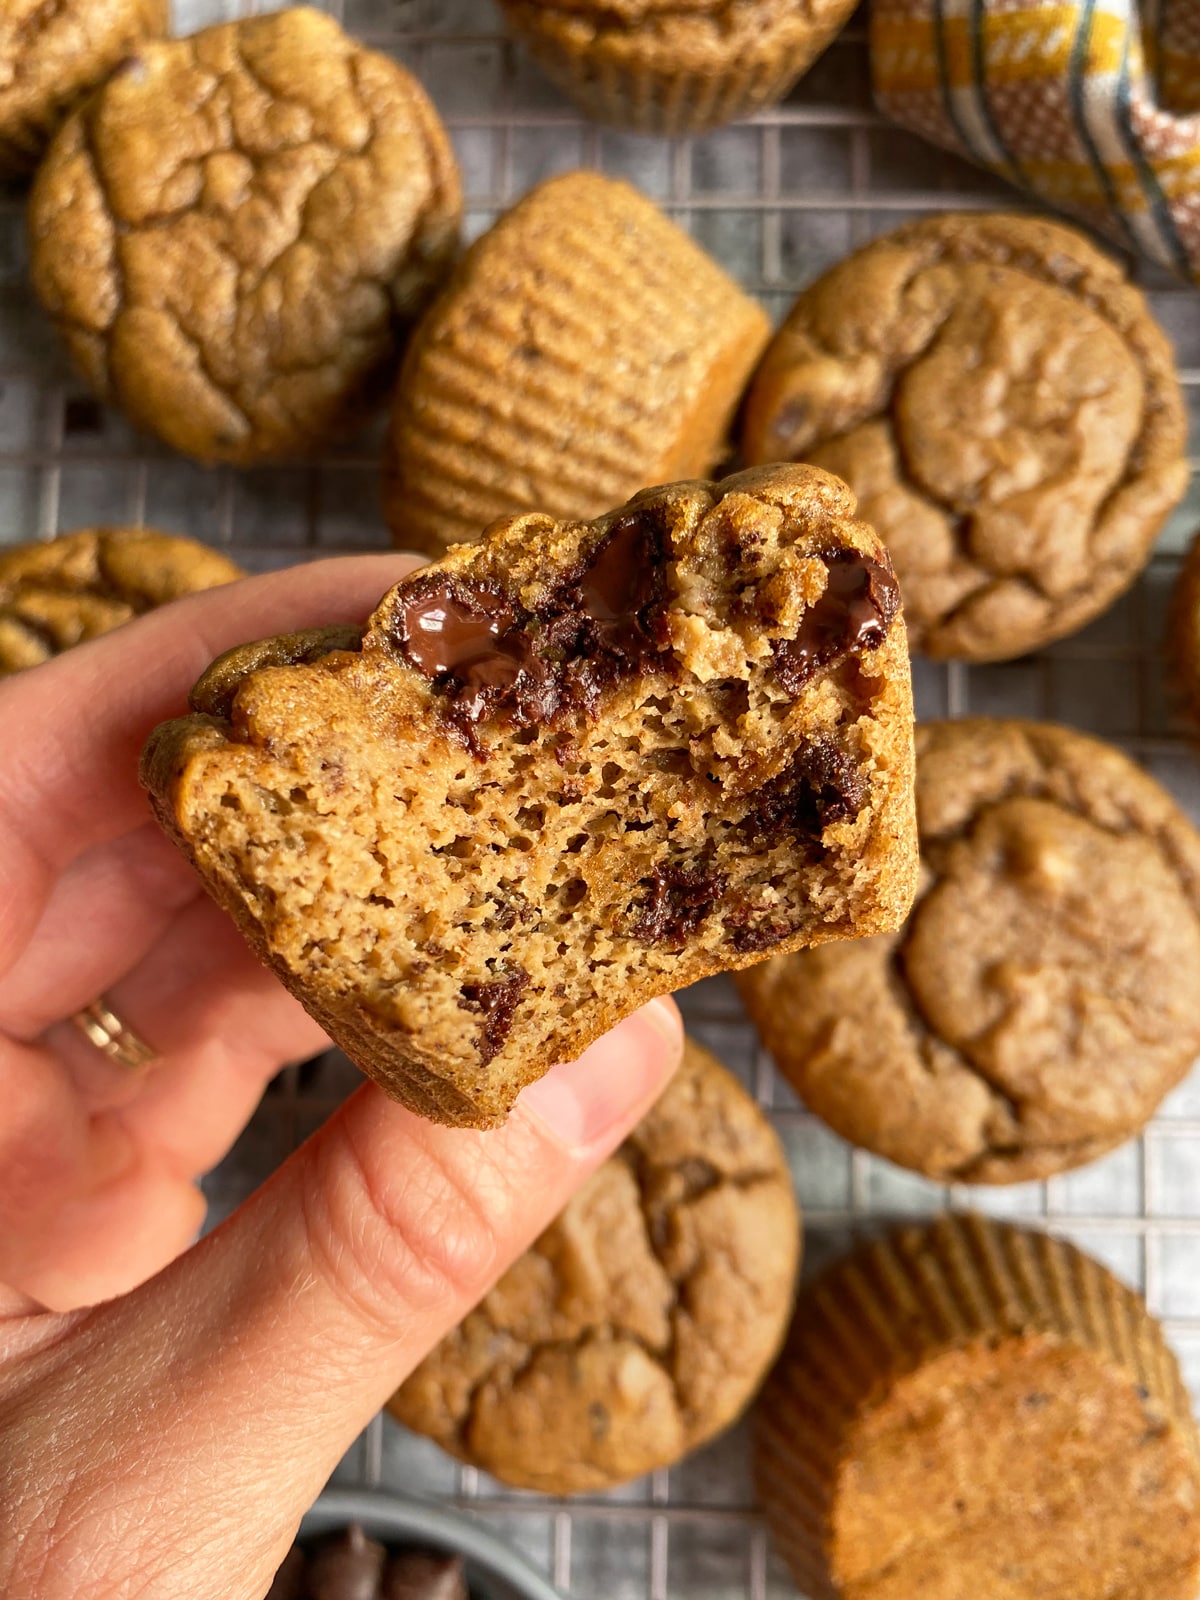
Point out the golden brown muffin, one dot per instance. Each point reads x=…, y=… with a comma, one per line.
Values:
x=675, y=66
x=642, y=1321
x=973, y=1411
x=568, y=769
x=59, y=592
x=1006, y=409
x=51, y=56
x=1045, y=993
x=585, y=348
x=1183, y=643
x=229, y=233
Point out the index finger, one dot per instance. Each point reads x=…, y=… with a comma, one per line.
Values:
x=73, y=728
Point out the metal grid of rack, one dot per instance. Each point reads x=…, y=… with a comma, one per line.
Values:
x=777, y=200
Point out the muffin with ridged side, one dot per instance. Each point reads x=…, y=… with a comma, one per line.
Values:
x=675, y=66
x=971, y=1409
x=584, y=348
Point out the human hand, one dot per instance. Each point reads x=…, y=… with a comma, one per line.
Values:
x=166, y=1443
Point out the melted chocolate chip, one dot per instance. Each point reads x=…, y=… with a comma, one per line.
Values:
x=444, y=626
x=596, y=626
x=497, y=1001
x=858, y=606
x=624, y=579
x=678, y=900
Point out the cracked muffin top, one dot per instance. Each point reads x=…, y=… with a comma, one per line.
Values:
x=1045, y=993
x=643, y=1319
x=1007, y=411
x=52, y=52
x=60, y=592
x=230, y=232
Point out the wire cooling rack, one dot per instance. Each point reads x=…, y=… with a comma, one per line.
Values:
x=777, y=200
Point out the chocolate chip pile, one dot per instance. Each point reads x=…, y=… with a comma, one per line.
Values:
x=352, y=1566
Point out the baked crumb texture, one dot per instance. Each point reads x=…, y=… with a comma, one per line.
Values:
x=231, y=234
x=643, y=1319
x=585, y=347
x=570, y=768
x=674, y=66
x=1006, y=409
x=1044, y=994
x=973, y=1410
x=59, y=592
x=51, y=55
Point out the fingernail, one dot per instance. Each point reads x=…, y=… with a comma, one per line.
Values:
x=582, y=1102
x=413, y=557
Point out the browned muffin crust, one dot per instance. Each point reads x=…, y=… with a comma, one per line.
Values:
x=1006, y=409
x=973, y=1411
x=642, y=1321
x=231, y=233
x=570, y=768
x=51, y=56
x=58, y=592
x=585, y=347
x=1044, y=994
x=675, y=66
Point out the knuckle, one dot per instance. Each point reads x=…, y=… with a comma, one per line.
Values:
x=414, y=1239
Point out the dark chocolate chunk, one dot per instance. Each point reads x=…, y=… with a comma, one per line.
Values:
x=289, y=1581
x=345, y=1566
x=677, y=901
x=624, y=579
x=750, y=933
x=421, y=1575
x=446, y=627
x=819, y=786
x=497, y=1001
x=859, y=604
x=491, y=656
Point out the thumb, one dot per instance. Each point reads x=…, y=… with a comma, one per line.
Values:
x=244, y=1371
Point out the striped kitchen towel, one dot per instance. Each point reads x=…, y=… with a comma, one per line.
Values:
x=1093, y=105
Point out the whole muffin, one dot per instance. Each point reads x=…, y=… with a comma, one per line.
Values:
x=643, y=1319
x=51, y=55
x=973, y=1411
x=230, y=232
x=58, y=592
x=584, y=348
x=1044, y=994
x=662, y=66
x=559, y=772
x=1007, y=411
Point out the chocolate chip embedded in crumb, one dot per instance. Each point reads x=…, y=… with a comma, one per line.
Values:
x=677, y=900
x=854, y=613
x=346, y=1566
x=821, y=785
x=421, y=1575
x=490, y=657
x=497, y=1001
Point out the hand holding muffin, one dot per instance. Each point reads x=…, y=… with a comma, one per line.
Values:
x=321, y=1293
